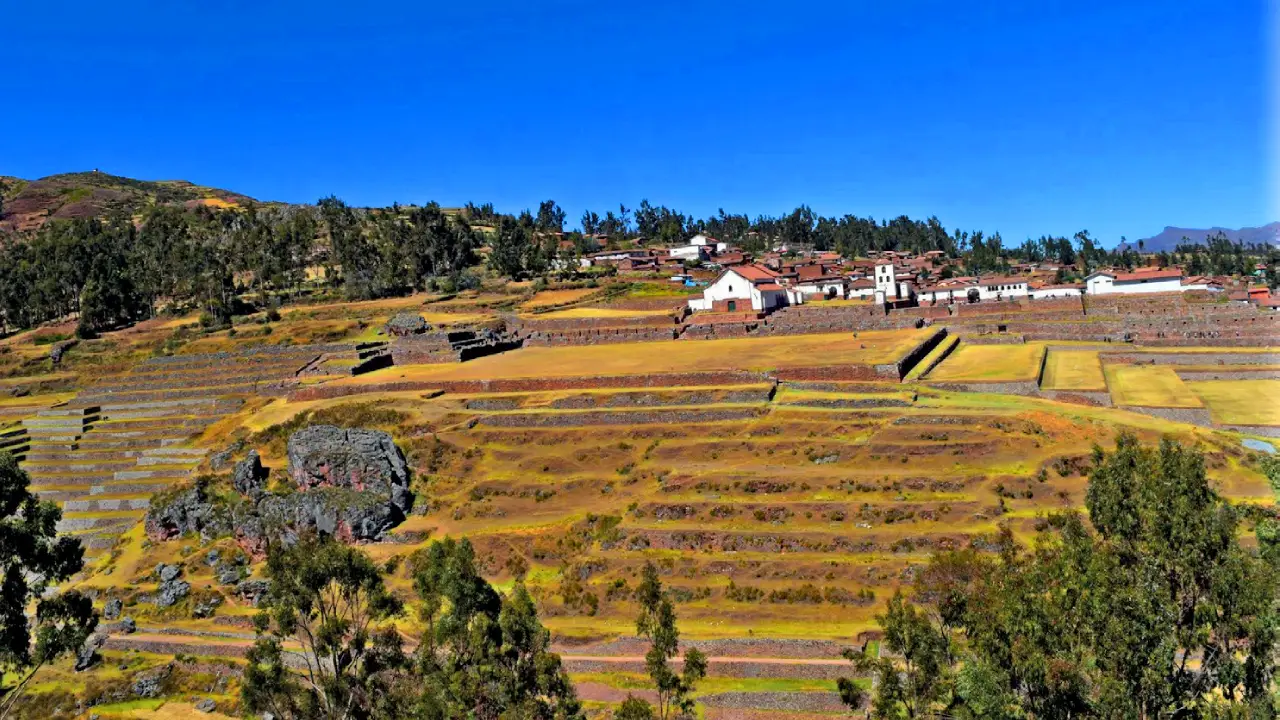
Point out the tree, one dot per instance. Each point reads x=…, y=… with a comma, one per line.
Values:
x=329, y=599
x=922, y=686
x=657, y=622
x=1086, y=256
x=511, y=248
x=482, y=655
x=550, y=217
x=34, y=559
x=633, y=708
x=1151, y=609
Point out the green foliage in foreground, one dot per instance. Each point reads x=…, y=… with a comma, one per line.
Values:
x=481, y=655
x=32, y=560
x=1151, y=608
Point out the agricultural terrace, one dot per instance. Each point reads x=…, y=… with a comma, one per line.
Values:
x=1073, y=370
x=599, y=312
x=787, y=518
x=550, y=298
x=991, y=364
x=754, y=354
x=782, y=515
x=1240, y=402
x=1149, y=386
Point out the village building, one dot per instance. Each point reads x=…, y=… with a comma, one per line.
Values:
x=712, y=244
x=745, y=288
x=1201, y=282
x=820, y=281
x=889, y=287
x=1060, y=290
x=861, y=288
x=1109, y=282
x=690, y=252
x=1002, y=287
x=729, y=259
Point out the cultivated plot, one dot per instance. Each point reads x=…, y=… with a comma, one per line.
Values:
x=990, y=364
x=1240, y=402
x=1149, y=386
x=1073, y=370
x=754, y=354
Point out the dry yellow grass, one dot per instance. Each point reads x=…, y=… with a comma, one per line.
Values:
x=556, y=297
x=1073, y=370
x=596, y=312
x=667, y=357
x=990, y=363
x=1149, y=386
x=1240, y=402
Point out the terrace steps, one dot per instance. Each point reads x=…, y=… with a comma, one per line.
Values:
x=105, y=452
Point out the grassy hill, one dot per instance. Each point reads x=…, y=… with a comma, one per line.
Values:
x=28, y=204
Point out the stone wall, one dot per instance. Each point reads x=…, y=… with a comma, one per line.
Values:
x=690, y=379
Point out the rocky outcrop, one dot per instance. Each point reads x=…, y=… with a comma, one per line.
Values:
x=352, y=483
x=353, y=458
x=192, y=510
x=404, y=324
x=250, y=477
x=172, y=589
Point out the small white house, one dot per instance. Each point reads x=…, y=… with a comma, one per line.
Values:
x=689, y=252
x=1106, y=282
x=942, y=295
x=1000, y=288
x=862, y=288
x=709, y=242
x=1200, y=282
x=747, y=288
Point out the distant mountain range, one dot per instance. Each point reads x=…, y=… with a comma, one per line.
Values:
x=1171, y=237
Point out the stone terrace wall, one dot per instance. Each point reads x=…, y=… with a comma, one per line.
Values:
x=602, y=336
x=728, y=377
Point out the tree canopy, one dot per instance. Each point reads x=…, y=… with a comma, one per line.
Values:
x=1150, y=608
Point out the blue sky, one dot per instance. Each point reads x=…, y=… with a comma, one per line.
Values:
x=1002, y=115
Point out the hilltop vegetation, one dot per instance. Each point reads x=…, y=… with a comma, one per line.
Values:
x=111, y=250
x=29, y=205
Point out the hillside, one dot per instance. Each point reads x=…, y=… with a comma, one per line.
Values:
x=1171, y=237
x=29, y=203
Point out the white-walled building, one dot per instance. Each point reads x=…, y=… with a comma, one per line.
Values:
x=1053, y=291
x=886, y=280
x=709, y=242
x=1201, y=282
x=690, y=252
x=747, y=288
x=1000, y=288
x=1107, y=282
x=862, y=288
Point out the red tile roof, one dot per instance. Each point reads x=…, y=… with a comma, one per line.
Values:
x=763, y=287
x=1147, y=275
x=756, y=273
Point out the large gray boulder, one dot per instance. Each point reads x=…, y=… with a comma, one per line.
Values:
x=404, y=324
x=250, y=477
x=186, y=511
x=171, y=590
x=354, y=458
x=348, y=515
